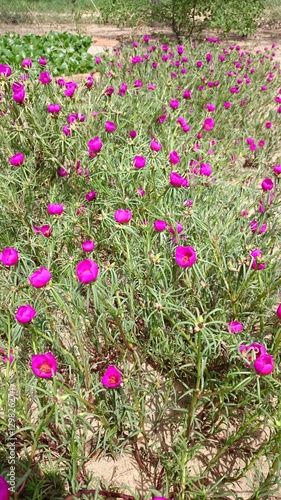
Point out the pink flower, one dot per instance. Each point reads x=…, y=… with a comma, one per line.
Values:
x=174, y=158
x=46, y=230
x=235, y=327
x=110, y=127
x=9, y=257
x=86, y=271
x=40, y=278
x=44, y=365
x=139, y=161
x=54, y=108
x=264, y=364
x=187, y=94
x=210, y=107
x=277, y=169
x=278, y=312
x=42, y=61
x=227, y=105
x=123, y=216
x=88, y=246
x=254, y=225
x=179, y=228
x=208, y=124
x=45, y=77
x=185, y=256
x=90, y=196
x=112, y=377
x=19, y=95
x=155, y=146
x=174, y=104
x=94, y=146
x=132, y=134
x=177, y=180
x=267, y=185
x=141, y=192
x=205, y=169
x=159, y=498
x=17, y=159
x=55, y=209
x=26, y=63
x=25, y=314
x=5, y=493
x=5, y=70
x=66, y=130
x=160, y=225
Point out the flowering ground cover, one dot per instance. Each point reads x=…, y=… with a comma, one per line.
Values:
x=140, y=276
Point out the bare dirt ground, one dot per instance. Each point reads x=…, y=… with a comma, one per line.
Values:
x=125, y=472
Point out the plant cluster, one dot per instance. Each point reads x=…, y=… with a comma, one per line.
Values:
x=66, y=52
x=140, y=277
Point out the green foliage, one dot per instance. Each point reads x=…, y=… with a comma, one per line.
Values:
x=187, y=16
x=197, y=418
x=66, y=53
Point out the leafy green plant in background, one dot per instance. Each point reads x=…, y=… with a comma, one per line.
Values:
x=66, y=53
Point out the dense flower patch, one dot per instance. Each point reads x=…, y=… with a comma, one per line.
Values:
x=140, y=242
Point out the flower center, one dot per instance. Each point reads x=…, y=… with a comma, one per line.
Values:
x=113, y=379
x=45, y=368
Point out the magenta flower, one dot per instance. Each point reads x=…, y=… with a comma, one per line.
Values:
x=205, y=169
x=141, y=192
x=123, y=216
x=46, y=230
x=160, y=225
x=9, y=257
x=25, y=314
x=66, y=130
x=267, y=185
x=254, y=225
x=235, y=327
x=54, y=108
x=208, y=124
x=139, y=161
x=277, y=169
x=179, y=228
x=26, y=63
x=5, y=493
x=55, y=209
x=5, y=70
x=42, y=61
x=252, y=352
x=110, y=127
x=132, y=134
x=210, y=107
x=185, y=256
x=278, y=312
x=86, y=271
x=112, y=377
x=40, y=278
x=70, y=88
x=138, y=83
x=90, y=196
x=159, y=498
x=174, y=104
x=45, y=77
x=187, y=94
x=17, y=159
x=155, y=146
x=94, y=146
x=264, y=364
x=174, y=158
x=19, y=95
x=88, y=246
x=44, y=365
x=227, y=105
x=177, y=180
